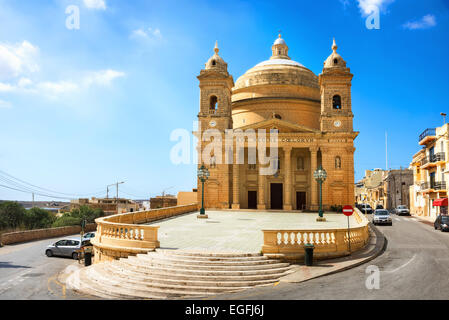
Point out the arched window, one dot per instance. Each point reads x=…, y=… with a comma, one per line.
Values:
x=213, y=62
x=213, y=103
x=337, y=162
x=335, y=61
x=277, y=116
x=300, y=163
x=336, y=102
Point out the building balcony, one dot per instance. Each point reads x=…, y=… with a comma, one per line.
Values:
x=433, y=160
x=437, y=186
x=427, y=136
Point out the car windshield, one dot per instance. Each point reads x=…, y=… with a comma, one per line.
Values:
x=445, y=219
x=402, y=207
x=381, y=213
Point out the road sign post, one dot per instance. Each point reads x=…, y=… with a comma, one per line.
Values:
x=348, y=211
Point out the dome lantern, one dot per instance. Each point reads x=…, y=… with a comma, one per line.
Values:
x=280, y=49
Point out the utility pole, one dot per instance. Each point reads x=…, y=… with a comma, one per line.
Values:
x=400, y=181
x=107, y=191
x=386, y=151
x=33, y=201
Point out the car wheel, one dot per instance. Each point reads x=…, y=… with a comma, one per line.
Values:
x=49, y=253
x=75, y=256
x=435, y=227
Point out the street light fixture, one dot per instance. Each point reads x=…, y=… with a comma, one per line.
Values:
x=320, y=176
x=203, y=175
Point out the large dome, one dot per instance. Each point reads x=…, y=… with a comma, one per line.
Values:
x=278, y=87
x=277, y=77
x=278, y=72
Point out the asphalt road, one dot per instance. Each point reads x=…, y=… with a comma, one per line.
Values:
x=415, y=265
x=27, y=273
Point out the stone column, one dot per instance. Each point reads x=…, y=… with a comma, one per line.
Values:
x=288, y=178
x=236, y=187
x=261, y=180
x=313, y=183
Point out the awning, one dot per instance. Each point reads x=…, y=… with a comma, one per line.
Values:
x=440, y=202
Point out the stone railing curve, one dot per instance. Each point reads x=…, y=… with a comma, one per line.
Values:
x=124, y=234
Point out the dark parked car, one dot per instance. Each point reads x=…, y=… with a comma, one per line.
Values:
x=379, y=206
x=442, y=223
x=366, y=208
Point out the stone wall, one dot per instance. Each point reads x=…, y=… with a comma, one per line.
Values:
x=31, y=235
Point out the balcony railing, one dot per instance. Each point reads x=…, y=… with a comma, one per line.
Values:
x=438, y=185
x=428, y=132
x=441, y=156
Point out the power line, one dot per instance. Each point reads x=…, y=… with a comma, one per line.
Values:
x=41, y=188
x=39, y=194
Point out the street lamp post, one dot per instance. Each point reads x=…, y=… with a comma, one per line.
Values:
x=203, y=175
x=320, y=176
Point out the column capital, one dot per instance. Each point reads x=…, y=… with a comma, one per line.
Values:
x=313, y=149
x=287, y=148
x=350, y=149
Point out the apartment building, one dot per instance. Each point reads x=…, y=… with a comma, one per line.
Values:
x=428, y=193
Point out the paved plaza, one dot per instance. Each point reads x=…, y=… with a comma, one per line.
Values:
x=237, y=231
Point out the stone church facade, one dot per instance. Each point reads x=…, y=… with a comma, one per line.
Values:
x=314, y=120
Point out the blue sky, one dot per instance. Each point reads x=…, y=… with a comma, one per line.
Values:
x=84, y=108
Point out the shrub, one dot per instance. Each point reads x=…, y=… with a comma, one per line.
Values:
x=66, y=221
x=37, y=218
x=12, y=215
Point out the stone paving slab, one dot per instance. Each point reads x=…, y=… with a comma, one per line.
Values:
x=236, y=231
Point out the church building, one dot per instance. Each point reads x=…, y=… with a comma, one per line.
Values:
x=314, y=120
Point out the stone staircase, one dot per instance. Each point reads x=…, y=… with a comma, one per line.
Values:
x=169, y=274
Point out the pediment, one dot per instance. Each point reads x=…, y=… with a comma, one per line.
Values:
x=281, y=125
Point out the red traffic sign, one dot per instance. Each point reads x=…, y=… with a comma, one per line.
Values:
x=348, y=211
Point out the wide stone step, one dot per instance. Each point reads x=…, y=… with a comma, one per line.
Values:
x=150, y=289
x=87, y=285
x=208, y=254
x=198, y=275
x=162, y=279
x=190, y=271
x=192, y=261
x=185, y=265
x=116, y=290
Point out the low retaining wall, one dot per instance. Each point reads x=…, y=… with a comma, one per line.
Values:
x=121, y=235
x=329, y=243
x=31, y=235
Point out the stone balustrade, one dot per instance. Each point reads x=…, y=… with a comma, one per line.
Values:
x=328, y=243
x=124, y=234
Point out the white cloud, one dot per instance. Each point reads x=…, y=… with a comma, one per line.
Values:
x=5, y=104
x=428, y=21
x=102, y=78
x=17, y=60
x=149, y=33
x=369, y=6
x=95, y=4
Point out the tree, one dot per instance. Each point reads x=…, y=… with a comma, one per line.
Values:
x=38, y=218
x=12, y=215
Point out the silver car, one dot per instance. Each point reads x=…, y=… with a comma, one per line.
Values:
x=402, y=211
x=382, y=216
x=65, y=248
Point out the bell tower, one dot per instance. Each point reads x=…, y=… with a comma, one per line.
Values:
x=215, y=94
x=335, y=86
x=215, y=115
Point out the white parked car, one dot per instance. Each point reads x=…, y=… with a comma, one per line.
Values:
x=382, y=216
